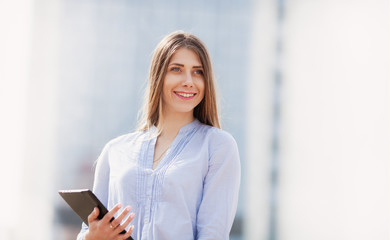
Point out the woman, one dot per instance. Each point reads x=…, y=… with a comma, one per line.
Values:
x=180, y=172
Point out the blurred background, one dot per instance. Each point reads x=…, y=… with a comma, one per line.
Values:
x=304, y=88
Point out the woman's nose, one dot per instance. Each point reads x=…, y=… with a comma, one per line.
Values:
x=188, y=81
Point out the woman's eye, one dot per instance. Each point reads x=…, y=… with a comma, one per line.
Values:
x=199, y=72
x=175, y=69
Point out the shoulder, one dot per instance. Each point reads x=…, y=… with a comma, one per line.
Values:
x=125, y=139
x=221, y=147
x=217, y=138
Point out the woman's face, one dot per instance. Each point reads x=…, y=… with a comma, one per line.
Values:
x=183, y=87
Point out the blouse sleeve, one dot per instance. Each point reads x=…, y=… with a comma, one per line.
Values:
x=100, y=186
x=220, y=191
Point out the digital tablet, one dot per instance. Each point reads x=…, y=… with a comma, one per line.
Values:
x=83, y=201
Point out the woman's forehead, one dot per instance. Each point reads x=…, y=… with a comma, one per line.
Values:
x=185, y=56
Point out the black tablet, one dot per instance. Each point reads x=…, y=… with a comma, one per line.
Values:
x=83, y=201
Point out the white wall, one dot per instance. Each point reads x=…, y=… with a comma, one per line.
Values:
x=15, y=37
x=41, y=140
x=259, y=105
x=335, y=164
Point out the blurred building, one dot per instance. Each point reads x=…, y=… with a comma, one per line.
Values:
x=305, y=92
x=318, y=160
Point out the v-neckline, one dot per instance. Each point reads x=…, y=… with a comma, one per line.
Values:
x=172, y=146
x=162, y=155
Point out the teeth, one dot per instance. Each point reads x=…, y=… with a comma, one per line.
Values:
x=185, y=94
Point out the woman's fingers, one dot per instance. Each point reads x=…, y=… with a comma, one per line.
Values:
x=117, y=221
x=94, y=215
x=110, y=227
x=123, y=226
x=107, y=218
x=129, y=232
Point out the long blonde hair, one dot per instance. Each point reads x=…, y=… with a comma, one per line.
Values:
x=206, y=111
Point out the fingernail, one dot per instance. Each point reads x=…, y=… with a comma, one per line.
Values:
x=131, y=227
x=132, y=215
x=119, y=205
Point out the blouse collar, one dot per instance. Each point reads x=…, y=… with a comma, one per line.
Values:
x=186, y=128
x=190, y=126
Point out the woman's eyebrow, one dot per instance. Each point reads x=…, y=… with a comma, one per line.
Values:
x=182, y=65
x=178, y=64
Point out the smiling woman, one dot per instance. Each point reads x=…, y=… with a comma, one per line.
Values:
x=180, y=172
x=183, y=87
x=163, y=63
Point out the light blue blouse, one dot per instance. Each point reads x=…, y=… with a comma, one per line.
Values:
x=193, y=192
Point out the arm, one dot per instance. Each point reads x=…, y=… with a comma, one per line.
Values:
x=100, y=187
x=107, y=227
x=220, y=192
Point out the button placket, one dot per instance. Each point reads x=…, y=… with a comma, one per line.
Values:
x=149, y=192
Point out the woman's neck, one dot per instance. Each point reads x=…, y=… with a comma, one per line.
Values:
x=171, y=124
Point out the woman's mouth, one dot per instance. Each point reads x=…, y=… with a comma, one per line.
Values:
x=184, y=95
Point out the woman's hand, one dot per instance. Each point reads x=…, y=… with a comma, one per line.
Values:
x=104, y=229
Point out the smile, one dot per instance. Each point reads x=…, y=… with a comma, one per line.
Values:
x=185, y=95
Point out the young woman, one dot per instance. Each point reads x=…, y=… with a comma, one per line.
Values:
x=179, y=174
